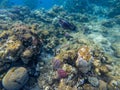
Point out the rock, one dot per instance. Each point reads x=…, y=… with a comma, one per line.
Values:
x=89, y=87
x=26, y=56
x=114, y=85
x=108, y=23
x=67, y=68
x=116, y=48
x=104, y=69
x=103, y=85
x=47, y=88
x=15, y=78
x=80, y=82
x=83, y=65
x=97, y=63
x=93, y=81
x=63, y=86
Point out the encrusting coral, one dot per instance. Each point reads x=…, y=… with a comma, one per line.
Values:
x=21, y=41
x=75, y=69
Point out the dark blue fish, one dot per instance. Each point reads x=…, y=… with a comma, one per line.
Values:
x=66, y=25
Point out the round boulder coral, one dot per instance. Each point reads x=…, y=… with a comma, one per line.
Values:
x=15, y=78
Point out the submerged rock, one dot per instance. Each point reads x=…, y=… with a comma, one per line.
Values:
x=26, y=56
x=116, y=48
x=63, y=86
x=15, y=78
x=88, y=87
x=103, y=85
x=93, y=81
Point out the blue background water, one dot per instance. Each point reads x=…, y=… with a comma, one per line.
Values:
x=47, y=4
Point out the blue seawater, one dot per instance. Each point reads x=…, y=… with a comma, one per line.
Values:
x=47, y=4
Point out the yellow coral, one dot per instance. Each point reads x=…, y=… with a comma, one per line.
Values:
x=97, y=63
x=27, y=53
x=84, y=52
x=27, y=36
x=14, y=45
x=6, y=33
x=45, y=32
x=10, y=49
x=97, y=71
x=71, y=54
x=26, y=56
x=104, y=69
x=67, y=68
x=3, y=34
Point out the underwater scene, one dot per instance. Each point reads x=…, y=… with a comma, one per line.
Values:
x=59, y=44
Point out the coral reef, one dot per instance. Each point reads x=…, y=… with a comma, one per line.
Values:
x=81, y=57
x=19, y=39
x=19, y=46
x=80, y=75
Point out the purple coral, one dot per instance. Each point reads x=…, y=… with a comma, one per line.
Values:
x=61, y=73
x=56, y=63
x=83, y=65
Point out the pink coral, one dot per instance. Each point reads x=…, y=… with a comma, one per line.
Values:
x=61, y=73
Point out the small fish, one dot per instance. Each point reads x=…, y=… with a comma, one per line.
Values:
x=67, y=35
x=66, y=25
